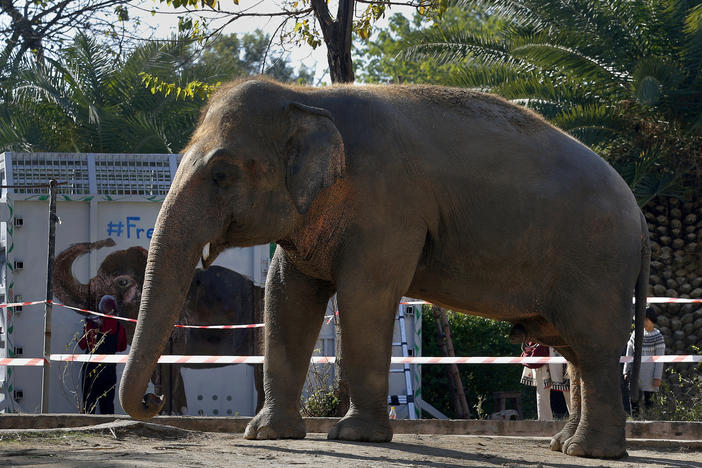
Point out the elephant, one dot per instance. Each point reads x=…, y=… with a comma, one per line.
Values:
x=453, y=196
x=121, y=275
x=216, y=295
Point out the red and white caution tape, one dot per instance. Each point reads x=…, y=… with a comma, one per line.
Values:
x=125, y=319
x=165, y=359
x=182, y=359
x=20, y=304
x=222, y=327
x=650, y=300
x=532, y=360
x=91, y=312
x=21, y=361
x=672, y=300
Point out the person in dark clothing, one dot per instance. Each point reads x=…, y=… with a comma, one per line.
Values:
x=101, y=335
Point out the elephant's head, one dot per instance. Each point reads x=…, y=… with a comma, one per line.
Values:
x=252, y=170
x=120, y=275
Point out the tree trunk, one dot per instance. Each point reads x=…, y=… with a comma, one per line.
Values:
x=458, y=396
x=337, y=37
x=22, y=27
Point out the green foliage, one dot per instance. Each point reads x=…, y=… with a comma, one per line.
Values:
x=89, y=100
x=226, y=58
x=320, y=399
x=191, y=90
x=380, y=60
x=321, y=403
x=230, y=56
x=679, y=398
x=148, y=101
x=624, y=77
x=472, y=336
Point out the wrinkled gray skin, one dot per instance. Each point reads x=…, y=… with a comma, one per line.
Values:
x=452, y=196
x=217, y=296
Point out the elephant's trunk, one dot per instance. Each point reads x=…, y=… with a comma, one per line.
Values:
x=66, y=287
x=172, y=258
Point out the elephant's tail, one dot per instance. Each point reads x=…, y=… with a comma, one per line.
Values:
x=641, y=293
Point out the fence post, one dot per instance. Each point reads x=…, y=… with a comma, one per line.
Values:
x=48, y=308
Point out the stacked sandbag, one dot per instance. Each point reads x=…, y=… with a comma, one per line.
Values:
x=675, y=228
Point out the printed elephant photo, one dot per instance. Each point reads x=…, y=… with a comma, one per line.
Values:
x=120, y=275
x=216, y=296
x=376, y=192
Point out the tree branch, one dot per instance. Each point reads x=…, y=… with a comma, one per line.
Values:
x=23, y=26
x=321, y=12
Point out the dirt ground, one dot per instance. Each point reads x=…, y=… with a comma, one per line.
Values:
x=131, y=444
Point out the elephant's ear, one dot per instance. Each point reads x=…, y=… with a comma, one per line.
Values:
x=315, y=154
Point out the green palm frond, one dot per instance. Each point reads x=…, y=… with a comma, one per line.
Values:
x=513, y=11
x=455, y=45
x=653, y=78
x=37, y=82
x=17, y=131
x=514, y=83
x=554, y=56
x=692, y=44
x=487, y=77
x=591, y=123
x=622, y=75
x=86, y=68
x=649, y=178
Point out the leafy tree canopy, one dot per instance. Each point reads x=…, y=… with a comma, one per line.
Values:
x=233, y=56
x=380, y=59
x=44, y=27
x=89, y=100
x=302, y=22
x=623, y=76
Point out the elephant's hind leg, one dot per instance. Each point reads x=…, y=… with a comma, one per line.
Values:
x=601, y=429
x=558, y=441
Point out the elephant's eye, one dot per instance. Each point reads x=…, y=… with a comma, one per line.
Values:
x=219, y=178
x=123, y=282
x=223, y=173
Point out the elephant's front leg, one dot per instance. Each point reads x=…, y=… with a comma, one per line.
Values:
x=294, y=309
x=367, y=320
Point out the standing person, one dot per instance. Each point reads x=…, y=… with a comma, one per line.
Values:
x=537, y=375
x=101, y=335
x=650, y=373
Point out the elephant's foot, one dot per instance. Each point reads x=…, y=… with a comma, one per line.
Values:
x=270, y=424
x=596, y=444
x=361, y=429
x=558, y=441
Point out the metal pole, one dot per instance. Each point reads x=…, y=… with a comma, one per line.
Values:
x=46, y=374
